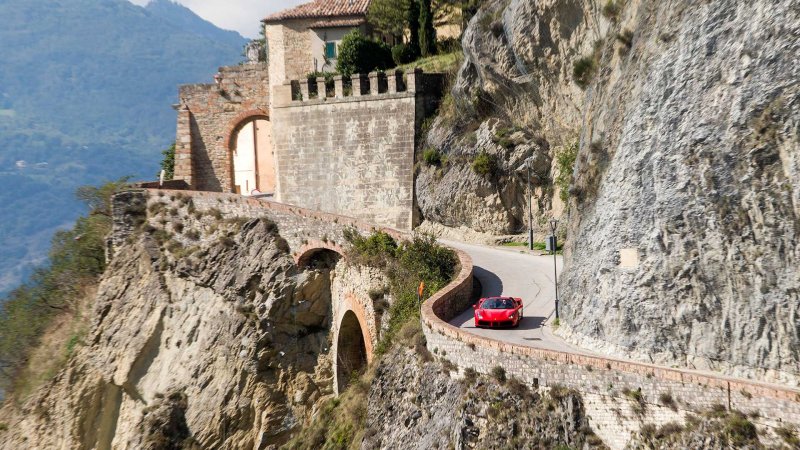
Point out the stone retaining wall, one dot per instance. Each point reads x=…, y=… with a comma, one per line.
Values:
x=305, y=230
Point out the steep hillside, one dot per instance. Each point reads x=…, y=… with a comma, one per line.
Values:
x=85, y=95
x=671, y=129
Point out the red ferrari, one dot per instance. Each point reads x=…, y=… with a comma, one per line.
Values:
x=495, y=312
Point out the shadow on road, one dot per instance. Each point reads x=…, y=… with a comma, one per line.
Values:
x=531, y=323
x=491, y=283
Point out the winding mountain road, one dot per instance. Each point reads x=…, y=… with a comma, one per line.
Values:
x=513, y=273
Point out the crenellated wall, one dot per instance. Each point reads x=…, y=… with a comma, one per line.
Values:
x=349, y=151
x=348, y=147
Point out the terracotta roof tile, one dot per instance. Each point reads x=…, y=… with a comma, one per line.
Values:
x=319, y=9
x=335, y=23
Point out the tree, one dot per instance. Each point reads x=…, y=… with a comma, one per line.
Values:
x=168, y=163
x=76, y=260
x=427, y=35
x=359, y=54
x=389, y=16
x=413, y=26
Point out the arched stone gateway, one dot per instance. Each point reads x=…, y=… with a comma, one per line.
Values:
x=252, y=158
x=351, y=350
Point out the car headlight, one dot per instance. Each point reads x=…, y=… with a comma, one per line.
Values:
x=480, y=316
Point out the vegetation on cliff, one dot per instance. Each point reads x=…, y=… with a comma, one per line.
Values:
x=77, y=259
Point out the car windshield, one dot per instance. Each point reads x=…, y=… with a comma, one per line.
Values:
x=498, y=303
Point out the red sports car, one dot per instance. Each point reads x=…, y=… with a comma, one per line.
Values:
x=495, y=312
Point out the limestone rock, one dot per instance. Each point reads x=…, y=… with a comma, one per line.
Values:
x=684, y=235
x=415, y=403
x=209, y=350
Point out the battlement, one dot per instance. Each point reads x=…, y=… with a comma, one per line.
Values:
x=358, y=87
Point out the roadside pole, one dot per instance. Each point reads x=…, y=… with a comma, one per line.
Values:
x=554, y=246
x=530, y=209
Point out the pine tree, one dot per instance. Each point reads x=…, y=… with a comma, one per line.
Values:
x=427, y=35
x=413, y=26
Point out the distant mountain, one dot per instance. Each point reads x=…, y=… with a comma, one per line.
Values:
x=86, y=88
x=185, y=19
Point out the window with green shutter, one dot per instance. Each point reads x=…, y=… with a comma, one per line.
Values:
x=330, y=50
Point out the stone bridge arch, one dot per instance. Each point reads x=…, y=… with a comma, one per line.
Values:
x=315, y=250
x=354, y=341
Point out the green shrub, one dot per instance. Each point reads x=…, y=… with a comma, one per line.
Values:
x=665, y=398
x=407, y=264
x=565, y=161
x=404, y=54
x=499, y=374
x=432, y=157
x=359, y=54
x=637, y=398
x=789, y=435
x=484, y=164
x=611, y=10
x=448, y=45
x=168, y=162
x=583, y=71
x=470, y=375
x=740, y=431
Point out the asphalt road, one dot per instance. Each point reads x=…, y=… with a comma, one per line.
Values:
x=511, y=273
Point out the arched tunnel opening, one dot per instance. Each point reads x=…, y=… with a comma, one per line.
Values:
x=319, y=259
x=351, y=351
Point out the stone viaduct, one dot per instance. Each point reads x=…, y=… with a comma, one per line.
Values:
x=344, y=146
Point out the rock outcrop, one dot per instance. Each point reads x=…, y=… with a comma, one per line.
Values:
x=205, y=334
x=416, y=402
x=513, y=99
x=684, y=244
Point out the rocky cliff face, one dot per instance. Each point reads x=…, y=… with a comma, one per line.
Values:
x=683, y=209
x=204, y=335
x=421, y=403
x=684, y=241
x=514, y=100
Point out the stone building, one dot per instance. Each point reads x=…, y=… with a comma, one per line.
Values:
x=306, y=38
x=345, y=147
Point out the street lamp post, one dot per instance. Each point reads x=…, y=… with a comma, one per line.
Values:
x=530, y=209
x=554, y=247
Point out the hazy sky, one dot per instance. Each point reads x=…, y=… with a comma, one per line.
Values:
x=243, y=16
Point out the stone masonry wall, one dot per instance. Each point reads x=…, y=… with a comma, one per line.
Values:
x=290, y=50
x=351, y=155
x=207, y=116
x=603, y=382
